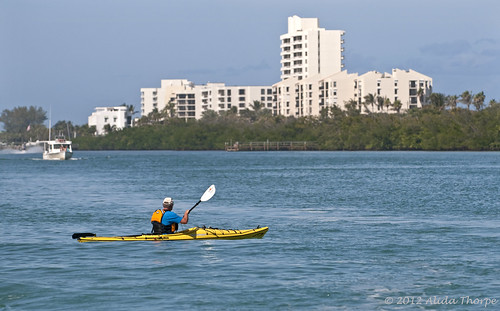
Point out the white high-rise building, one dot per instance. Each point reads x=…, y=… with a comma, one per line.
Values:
x=307, y=50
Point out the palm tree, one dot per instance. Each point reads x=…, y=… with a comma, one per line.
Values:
x=380, y=102
x=256, y=106
x=479, y=100
x=397, y=105
x=466, y=98
x=351, y=107
x=169, y=110
x=324, y=113
x=369, y=100
x=420, y=95
x=387, y=103
x=451, y=101
x=438, y=100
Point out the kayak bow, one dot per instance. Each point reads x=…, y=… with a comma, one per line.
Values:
x=189, y=234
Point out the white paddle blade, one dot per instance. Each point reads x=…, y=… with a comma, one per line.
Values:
x=208, y=194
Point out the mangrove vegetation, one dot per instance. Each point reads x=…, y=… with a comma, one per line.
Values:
x=447, y=123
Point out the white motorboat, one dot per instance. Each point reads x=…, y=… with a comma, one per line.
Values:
x=57, y=149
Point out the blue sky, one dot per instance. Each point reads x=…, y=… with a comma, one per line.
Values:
x=76, y=55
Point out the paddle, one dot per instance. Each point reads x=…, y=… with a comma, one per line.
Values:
x=205, y=197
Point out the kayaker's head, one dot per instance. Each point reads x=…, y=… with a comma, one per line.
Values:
x=168, y=204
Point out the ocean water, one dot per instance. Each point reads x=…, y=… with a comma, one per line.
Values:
x=348, y=231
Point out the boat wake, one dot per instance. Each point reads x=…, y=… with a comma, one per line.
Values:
x=28, y=150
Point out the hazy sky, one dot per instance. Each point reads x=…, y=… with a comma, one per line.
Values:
x=75, y=55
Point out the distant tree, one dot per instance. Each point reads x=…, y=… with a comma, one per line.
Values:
x=438, y=100
x=324, y=113
x=452, y=101
x=380, y=102
x=130, y=108
x=397, y=105
x=387, y=103
x=64, y=128
x=85, y=130
x=257, y=106
x=209, y=116
x=478, y=101
x=18, y=119
x=369, y=100
x=466, y=99
x=420, y=96
x=169, y=110
x=351, y=107
x=107, y=128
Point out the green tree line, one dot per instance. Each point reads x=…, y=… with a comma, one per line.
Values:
x=435, y=127
x=440, y=125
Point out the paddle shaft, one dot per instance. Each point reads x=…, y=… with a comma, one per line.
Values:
x=194, y=206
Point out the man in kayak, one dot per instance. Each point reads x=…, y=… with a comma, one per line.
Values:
x=165, y=221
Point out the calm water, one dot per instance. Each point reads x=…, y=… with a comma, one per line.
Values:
x=348, y=230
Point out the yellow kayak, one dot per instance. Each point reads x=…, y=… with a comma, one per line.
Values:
x=189, y=234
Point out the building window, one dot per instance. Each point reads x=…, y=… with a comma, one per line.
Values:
x=395, y=91
x=241, y=91
x=106, y=119
x=262, y=91
x=241, y=99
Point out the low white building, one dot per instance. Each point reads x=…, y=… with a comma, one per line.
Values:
x=116, y=117
x=307, y=97
x=190, y=101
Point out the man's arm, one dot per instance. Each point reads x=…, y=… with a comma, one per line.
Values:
x=185, y=218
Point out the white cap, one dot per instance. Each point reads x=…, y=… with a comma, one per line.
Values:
x=167, y=200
